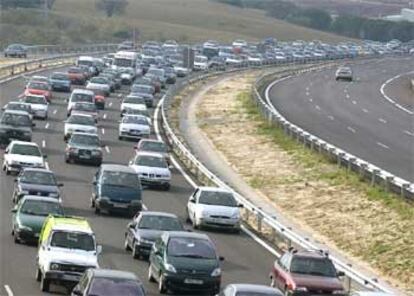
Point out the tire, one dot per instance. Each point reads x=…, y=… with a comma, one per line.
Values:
x=135, y=253
x=161, y=286
x=97, y=210
x=120, y=138
x=6, y=169
x=150, y=276
x=38, y=275
x=44, y=284
x=194, y=223
x=16, y=238
x=166, y=187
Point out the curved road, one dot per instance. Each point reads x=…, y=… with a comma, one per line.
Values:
x=246, y=261
x=356, y=116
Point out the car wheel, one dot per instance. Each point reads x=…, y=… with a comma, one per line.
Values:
x=161, y=285
x=38, y=275
x=120, y=138
x=150, y=276
x=126, y=245
x=194, y=222
x=135, y=252
x=44, y=284
x=92, y=202
x=16, y=238
x=188, y=220
x=166, y=187
x=6, y=169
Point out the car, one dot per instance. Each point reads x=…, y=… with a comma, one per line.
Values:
x=152, y=169
x=200, y=63
x=108, y=282
x=249, y=290
x=144, y=112
x=100, y=101
x=127, y=76
x=214, y=207
x=60, y=82
x=38, y=78
x=29, y=215
x=151, y=145
x=16, y=50
x=185, y=261
x=144, y=91
x=67, y=248
x=36, y=181
x=306, y=272
x=79, y=123
x=15, y=125
x=40, y=89
x=134, y=127
x=80, y=96
x=116, y=188
x=99, y=85
x=38, y=104
x=19, y=155
x=343, y=73
x=84, y=148
x=85, y=109
x=133, y=102
x=158, y=73
x=19, y=106
x=145, y=228
x=171, y=77
x=77, y=75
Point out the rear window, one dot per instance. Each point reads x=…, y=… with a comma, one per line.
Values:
x=82, y=98
x=73, y=240
x=191, y=248
x=115, y=286
x=122, y=179
x=312, y=266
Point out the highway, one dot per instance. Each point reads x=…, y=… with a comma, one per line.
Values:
x=358, y=117
x=245, y=260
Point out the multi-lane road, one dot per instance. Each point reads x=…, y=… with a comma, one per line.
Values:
x=245, y=260
x=370, y=117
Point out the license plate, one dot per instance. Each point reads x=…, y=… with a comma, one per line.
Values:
x=193, y=281
x=119, y=205
x=85, y=156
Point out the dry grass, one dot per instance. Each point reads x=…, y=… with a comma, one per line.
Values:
x=341, y=211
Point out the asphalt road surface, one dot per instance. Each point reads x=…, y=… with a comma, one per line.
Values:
x=355, y=116
x=245, y=260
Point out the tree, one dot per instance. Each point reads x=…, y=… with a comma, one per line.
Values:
x=112, y=7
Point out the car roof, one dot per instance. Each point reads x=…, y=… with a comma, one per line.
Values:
x=33, y=95
x=40, y=198
x=112, y=273
x=23, y=143
x=215, y=189
x=252, y=288
x=82, y=114
x=155, y=213
x=186, y=234
x=151, y=140
x=117, y=168
x=68, y=223
x=135, y=115
x=371, y=293
x=82, y=91
x=18, y=103
x=37, y=170
x=310, y=254
x=147, y=153
x=17, y=112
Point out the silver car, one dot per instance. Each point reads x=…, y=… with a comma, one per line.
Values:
x=249, y=290
x=343, y=73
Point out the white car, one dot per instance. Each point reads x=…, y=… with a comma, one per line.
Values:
x=80, y=96
x=134, y=127
x=79, y=123
x=133, y=103
x=343, y=73
x=152, y=169
x=239, y=43
x=99, y=85
x=214, y=207
x=39, y=105
x=19, y=155
x=200, y=63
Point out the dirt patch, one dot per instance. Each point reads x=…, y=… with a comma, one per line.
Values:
x=340, y=210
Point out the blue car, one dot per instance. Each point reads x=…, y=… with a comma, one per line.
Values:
x=60, y=82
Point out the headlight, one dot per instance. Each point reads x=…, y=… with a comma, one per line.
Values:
x=104, y=198
x=144, y=241
x=54, y=266
x=236, y=215
x=92, y=131
x=170, y=268
x=216, y=272
x=69, y=130
x=96, y=152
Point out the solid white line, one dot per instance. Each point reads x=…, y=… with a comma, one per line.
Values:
x=331, y=117
x=8, y=290
x=409, y=133
x=107, y=150
x=383, y=145
x=43, y=143
x=351, y=129
x=103, y=131
x=382, y=120
x=382, y=90
x=47, y=125
x=260, y=241
x=365, y=110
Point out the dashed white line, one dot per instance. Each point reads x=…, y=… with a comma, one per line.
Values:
x=351, y=129
x=317, y=107
x=103, y=131
x=8, y=290
x=307, y=94
x=104, y=116
x=110, y=104
x=382, y=145
x=107, y=150
x=354, y=102
x=43, y=143
x=382, y=120
x=347, y=96
x=409, y=133
x=47, y=125
x=55, y=111
x=331, y=117
x=365, y=110
x=311, y=100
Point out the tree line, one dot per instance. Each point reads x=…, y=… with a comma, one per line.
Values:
x=346, y=25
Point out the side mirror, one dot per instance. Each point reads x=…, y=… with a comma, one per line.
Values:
x=131, y=225
x=241, y=206
x=221, y=258
x=340, y=273
x=44, y=156
x=14, y=210
x=33, y=124
x=60, y=185
x=192, y=200
x=99, y=249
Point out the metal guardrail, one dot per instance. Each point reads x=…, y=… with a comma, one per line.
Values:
x=266, y=224
x=38, y=50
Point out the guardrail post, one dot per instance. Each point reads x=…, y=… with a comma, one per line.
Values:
x=404, y=187
x=362, y=168
x=374, y=174
x=339, y=158
x=259, y=220
x=388, y=181
x=350, y=162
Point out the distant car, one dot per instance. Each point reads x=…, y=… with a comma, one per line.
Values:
x=150, y=145
x=99, y=85
x=108, y=282
x=84, y=148
x=144, y=112
x=249, y=290
x=29, y=215
x=133, y=102
x=36, y=181
x=19, y=155
x=40, y=89
x=60, y=82
x=170, y=75
x=144, y=91
x=39, y=78
x=306, y=273
x=80, y=96
x=152, y=169
x=15, y=125
x=85, y=109
x=19, y=106
x=200, y=63
x=38, y=104
x=344, y=73
x=116, y=188
x=145, y=228
x=77, y=75
x=79, y=123
x=15, y=50
x=185, y=261
x=214, y=207
x=134, y=127
x=127, y=76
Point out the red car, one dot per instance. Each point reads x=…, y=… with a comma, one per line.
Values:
x=100, y=101
x=40, y=89
x=77, y=75
x=305, y=273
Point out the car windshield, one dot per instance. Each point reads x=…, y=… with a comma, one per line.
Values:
x=135, y=119
x=115, y=286
x=41, y=208
x=35, y=100
x=17, y=106
x=41, y=178
x=136, y=112
x=153, y=146
x=141, y=89
x=191, y=248
x=38, y=85
x=82, y=98
x=134, y=100
x=60, y=76
x=151, y=161
x=22, y=149
x=73, y=240
x=88, y=140
x=16, y=119
x=89, y=107
x=217, y=198
x=312, y=266
x=121, y=179
x=99, y=80
x=251, y=293
x=82, y=120
x=160, y=223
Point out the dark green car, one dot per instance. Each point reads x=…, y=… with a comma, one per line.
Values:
x=185, y=262
x=29, y=215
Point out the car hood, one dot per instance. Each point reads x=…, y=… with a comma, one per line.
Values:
x=150, y=170
x=194, y=264
x=38, y=106
x=97, y=86
x=317, y=282
x=32, y=221
x=83, y=146
x=134, y=126
x=218, y=210
x=80, y=127
x=94, y=114
x=133, y=106
x=70, y=256
x=116, y=193
x=25, y=158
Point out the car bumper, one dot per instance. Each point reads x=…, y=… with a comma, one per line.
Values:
x=154, y=181
x=143, y=249
x=19, y=167
x=61, y=87
x=220, y=223
x=27, y=236
x=133, y=136
x=97, y=160
x=180, y=283
x=4, y=138
x=62, y=277
x=115, y=207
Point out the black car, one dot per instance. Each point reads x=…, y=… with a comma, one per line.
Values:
x=15, y=125
x=108, y=282
x=170, y=75
x=84, y=148
x=39, y=182
x=185, y=261
x=19, y=106
x=116, y=188
x=146, y=228
x=16, y=50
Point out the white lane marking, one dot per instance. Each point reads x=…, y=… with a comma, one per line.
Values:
x=107, y=150
x=354, y=102
x=110, y=104
x=8, y=290
x=348, y=96
x=47, y=125
x=55, y=111
x=307, y=89
x=317, y=107
x=43, y=143
x=331, y=117
x=409, y=133
x=351, y=129
x=104, y=116
x=382, y=120
x=365, y=110
x=103, y=131
x=311, y=100
x=382, y=89
x=119, y=95
x=260, y=241
x=383, y=145
x=144, y=207
x=307, y=94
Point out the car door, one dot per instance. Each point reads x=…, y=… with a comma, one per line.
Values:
x=132, y=229
x=192, y=203
x=96, y=183
x=158, y=257
x=281, y=269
